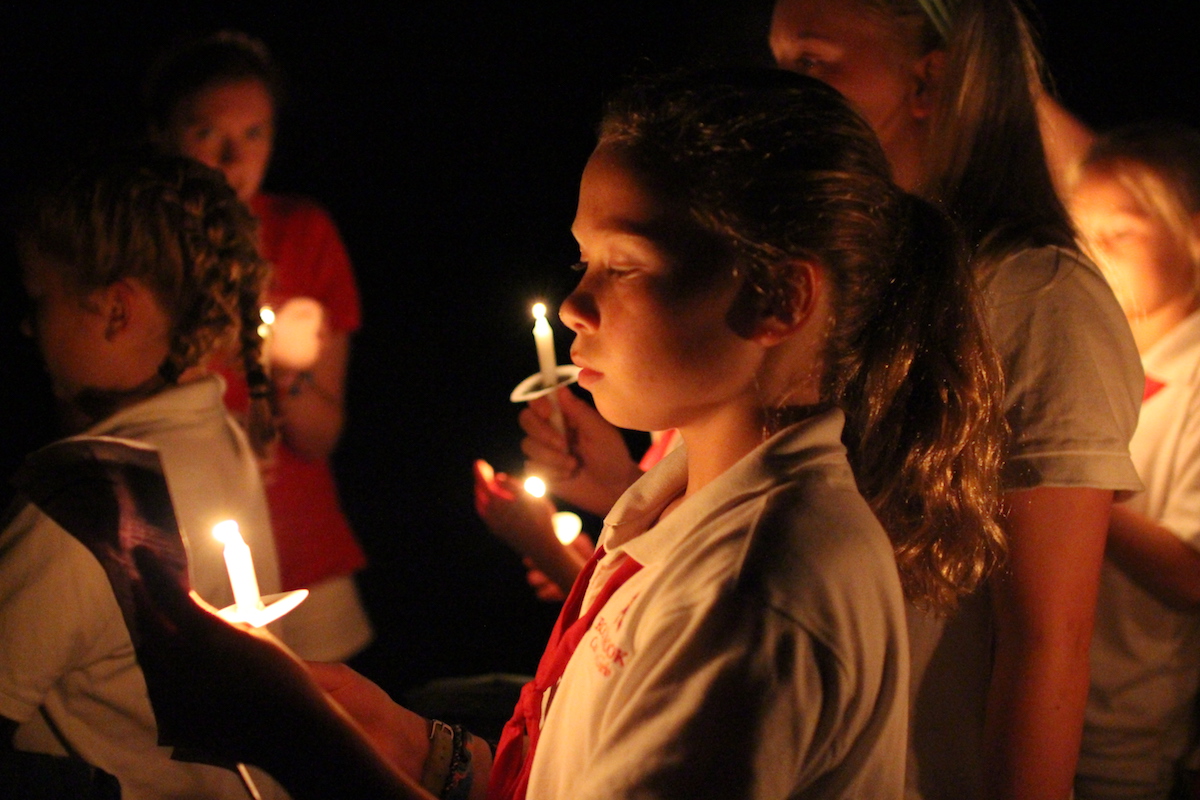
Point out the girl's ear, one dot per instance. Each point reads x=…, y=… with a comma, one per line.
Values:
x=116, y=303
x=928, y=73
x=807, y=285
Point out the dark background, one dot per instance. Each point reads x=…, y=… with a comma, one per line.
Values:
x=447, y=140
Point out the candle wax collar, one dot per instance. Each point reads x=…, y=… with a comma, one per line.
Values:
x=532, y=386
x=273, y=607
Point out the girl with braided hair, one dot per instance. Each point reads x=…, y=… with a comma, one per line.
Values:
x=215, y=98
x=137, y=270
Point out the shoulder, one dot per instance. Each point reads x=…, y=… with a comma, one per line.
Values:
x=819, y=556
x=291, y=210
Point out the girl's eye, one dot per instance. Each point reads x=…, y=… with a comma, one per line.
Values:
x=807, y=64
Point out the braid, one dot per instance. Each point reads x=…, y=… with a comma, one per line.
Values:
x=176, y=226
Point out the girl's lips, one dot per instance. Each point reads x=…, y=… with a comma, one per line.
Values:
x=588, y=375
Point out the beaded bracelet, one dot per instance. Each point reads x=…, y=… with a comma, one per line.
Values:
x=460, y=777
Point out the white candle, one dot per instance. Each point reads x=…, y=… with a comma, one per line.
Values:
x=566, y=526
x=547, y=362
x=266, y=316
x=544, y=337
x=241, y=568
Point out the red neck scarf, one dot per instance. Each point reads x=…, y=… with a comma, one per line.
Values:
x=514, y=755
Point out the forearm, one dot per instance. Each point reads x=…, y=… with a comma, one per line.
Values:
x=1155, y=558
x=334, y=764
x=311, y=415
x=1044, y=605
x=1034, y=718
x=561, y=564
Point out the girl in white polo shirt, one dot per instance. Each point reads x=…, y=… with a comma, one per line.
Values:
x=750, y=276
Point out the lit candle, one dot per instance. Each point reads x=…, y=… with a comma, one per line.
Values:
x=266, y=315
x=544, y=337
x=246, y=596
x=535, y=486
x=566, y=526
x=547, y=361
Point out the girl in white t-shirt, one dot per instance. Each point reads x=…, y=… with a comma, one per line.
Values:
x=1137, y=206
x=751, y=277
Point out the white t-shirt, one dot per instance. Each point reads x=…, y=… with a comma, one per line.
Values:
x=1073, y=385
x=64, y=647
x=1145, y=655
x=760, y=651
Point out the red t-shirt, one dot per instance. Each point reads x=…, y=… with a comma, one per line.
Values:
x=312, y=536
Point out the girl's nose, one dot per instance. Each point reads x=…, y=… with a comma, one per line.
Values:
x=230, y=154
x=579, y=312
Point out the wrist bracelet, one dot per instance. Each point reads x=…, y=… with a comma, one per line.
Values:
x=436, y=770
x=460, y=776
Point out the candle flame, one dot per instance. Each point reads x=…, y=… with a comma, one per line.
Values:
x=267, y=315
x=539, y=310
x=227, y=531
x=566, y=526
x=535, y=486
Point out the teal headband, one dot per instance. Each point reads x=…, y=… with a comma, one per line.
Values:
x=939, y=14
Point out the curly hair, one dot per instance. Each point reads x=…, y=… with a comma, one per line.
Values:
x=176, y=226
x=779, y=168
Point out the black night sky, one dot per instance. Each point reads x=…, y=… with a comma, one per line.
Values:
x=447, y=139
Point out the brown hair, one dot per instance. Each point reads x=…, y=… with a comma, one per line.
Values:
x=779, y=168
x=197, y=63
x=176, y=226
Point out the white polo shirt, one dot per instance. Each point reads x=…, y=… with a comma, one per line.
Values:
x=759, y=653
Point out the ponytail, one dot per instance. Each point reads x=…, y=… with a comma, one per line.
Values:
x=260, y=417
x=924, y=432
x=779, y=168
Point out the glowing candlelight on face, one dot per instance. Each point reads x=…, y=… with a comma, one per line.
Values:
x=544, y=337
x=535, y=486
x=566, y=526
x=246, y=596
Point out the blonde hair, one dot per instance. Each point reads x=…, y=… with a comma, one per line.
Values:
x=1158, y=163
x=176, y=226
x=984, y=162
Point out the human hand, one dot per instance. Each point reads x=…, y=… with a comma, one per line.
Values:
x=547, y=590
x=514, y=516
x=230, y=692
x=525, y=523
x=234, y=694
x=589, y=467
x=398, y=735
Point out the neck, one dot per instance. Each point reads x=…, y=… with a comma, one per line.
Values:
x=1149, y=328
x=725, y=439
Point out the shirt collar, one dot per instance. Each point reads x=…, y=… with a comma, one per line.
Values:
x=632, y=525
